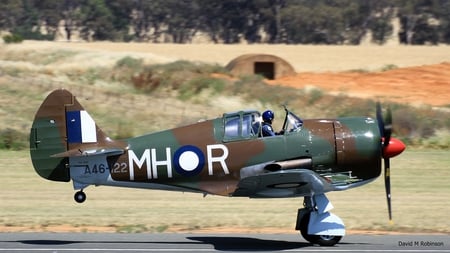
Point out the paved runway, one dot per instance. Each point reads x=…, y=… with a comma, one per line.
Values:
x=168, y=242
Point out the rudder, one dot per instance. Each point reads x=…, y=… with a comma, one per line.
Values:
x=62, y=128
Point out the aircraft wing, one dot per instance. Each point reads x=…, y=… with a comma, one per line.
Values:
x=283, y=183
x=91, y=152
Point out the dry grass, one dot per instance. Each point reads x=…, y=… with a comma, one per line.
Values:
x=419, y=188
x=302, y=57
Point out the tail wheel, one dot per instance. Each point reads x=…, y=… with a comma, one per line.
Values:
x=322, y=240
x=80, y=197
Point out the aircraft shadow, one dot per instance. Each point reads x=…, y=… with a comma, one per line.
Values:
x=48, y=242
x=226, y=243
x=67, y=242
x=220, y=243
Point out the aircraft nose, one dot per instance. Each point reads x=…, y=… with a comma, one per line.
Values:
x=394, y=148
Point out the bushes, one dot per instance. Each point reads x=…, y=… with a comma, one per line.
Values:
x=12, y=38
x=129, y=62
x=13, y=139
x=198, y=84
x=422, y=127
x=187, y=78
x=315, y=95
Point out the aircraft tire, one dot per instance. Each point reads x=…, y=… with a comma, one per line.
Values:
x=79, y=197
x=322, y=240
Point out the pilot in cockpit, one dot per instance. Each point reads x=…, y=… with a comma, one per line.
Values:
x=267, y=129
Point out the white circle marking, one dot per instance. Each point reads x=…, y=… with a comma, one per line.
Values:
x=189, y=161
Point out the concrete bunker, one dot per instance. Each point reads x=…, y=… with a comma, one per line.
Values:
x=269, y=66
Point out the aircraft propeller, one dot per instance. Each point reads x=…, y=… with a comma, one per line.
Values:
x=390, y=148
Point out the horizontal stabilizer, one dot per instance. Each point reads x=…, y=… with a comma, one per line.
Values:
x=90, y=152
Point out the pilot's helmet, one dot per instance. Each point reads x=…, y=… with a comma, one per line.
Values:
x=268, y=116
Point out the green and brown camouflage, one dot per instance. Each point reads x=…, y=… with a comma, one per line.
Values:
x=224, y=156
x=342, y=151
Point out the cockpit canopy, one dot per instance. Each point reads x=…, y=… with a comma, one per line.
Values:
x=292, y=123
x=247, y=124
x=239, y=125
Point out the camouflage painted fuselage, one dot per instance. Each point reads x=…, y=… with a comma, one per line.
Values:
x=223, y=156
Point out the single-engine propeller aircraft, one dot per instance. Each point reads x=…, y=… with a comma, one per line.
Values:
x=223, y=156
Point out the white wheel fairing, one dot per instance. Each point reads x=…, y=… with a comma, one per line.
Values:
x=322, y=240
x=326, y=224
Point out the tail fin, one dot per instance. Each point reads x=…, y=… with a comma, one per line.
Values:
x=62, y=128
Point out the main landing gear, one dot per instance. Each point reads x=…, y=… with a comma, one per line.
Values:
x=80, y=196
x=316, y=224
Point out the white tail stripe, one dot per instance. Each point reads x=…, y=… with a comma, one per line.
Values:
x=88, y=130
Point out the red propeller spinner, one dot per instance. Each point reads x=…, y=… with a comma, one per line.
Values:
x=393, y=148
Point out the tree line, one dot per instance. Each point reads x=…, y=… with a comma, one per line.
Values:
x=231, y=21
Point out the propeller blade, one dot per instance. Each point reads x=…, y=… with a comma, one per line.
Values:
x=390, y=149
x=387, y=185
x=387, y=131
x=380, y=119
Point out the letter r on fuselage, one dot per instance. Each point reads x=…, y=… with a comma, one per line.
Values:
x=219, y=159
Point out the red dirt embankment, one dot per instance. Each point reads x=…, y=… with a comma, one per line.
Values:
x=429, y=84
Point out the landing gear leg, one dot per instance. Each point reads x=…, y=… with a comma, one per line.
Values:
x=80, y=196
x=326, y=229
